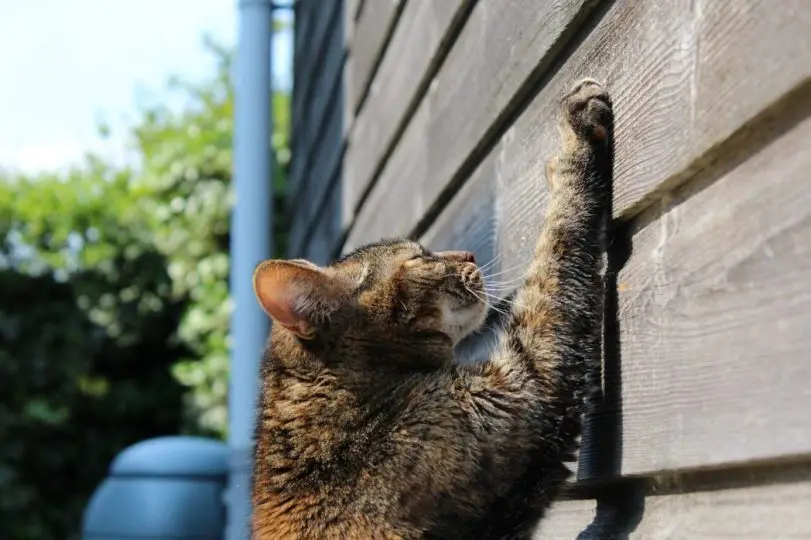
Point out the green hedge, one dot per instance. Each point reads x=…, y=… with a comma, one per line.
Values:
x=114, y=305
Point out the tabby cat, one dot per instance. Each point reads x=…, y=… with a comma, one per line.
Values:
x=367, y=427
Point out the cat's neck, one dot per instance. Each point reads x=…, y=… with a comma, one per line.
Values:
x=377, y=353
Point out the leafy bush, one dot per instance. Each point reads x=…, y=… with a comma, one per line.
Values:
x=86, y=344
x=114, y=305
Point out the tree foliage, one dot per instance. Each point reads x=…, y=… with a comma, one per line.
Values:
x=87, y=337
x=114, y=305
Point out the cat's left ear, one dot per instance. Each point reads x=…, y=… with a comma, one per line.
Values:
x=296, y=294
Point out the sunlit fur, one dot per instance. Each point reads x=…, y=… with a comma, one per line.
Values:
x=368, y=429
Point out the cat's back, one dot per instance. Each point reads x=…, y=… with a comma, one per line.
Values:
x=317, y=445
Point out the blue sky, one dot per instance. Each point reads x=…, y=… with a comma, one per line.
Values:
x=66, y=65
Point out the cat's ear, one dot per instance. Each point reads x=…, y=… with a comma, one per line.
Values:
x=296, y=294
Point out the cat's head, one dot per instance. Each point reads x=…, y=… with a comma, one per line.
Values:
x=394, y=289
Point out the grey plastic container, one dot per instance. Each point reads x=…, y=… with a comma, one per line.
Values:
x=164, y=488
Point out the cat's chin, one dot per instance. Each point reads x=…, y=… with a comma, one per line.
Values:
x=463, y=321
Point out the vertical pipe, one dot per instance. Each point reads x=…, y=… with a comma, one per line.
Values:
x=251, y=238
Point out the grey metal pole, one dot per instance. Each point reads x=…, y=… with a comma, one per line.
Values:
x=251, y=238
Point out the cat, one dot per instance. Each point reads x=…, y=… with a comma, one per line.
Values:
x=368, y=429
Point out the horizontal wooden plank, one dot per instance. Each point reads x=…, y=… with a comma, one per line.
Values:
x=318, y=248
x=319, y=71
x=323, y=171
x=303, y=11
x=324, y=91
x=318, y=139
x=672, y=119
x=747, y=506
x=357, y=8
x=324, y=159
x=405, y=71
x=405, y=172
x=351, y=8
x=301, y=29
x=348, y=113
x=714, y=305
x=309, y=19
x=421, y=22
x=301, y=26
x=566, y=520
x=495, y=58
x=321, y=15
x=372, y=29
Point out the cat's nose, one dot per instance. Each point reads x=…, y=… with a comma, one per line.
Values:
x=459, y=256
x=471, y=275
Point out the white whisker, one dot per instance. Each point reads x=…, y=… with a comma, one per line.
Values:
x=504, y=282
x=491, y=263
x=502, y=300
x=517, y=267
x=487, y=303
x=513, y=283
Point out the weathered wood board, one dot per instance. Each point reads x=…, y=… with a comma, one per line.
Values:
x=372, y=28
x=434, y=119
x=746, y=505
x=316, y=94
x=715, y=305
x=497, y=56
x=414, y=53
x=673, y=112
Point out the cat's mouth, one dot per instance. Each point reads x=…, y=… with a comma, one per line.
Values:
x=468, y=310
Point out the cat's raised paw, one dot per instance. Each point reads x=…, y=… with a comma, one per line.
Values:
x=588, y=110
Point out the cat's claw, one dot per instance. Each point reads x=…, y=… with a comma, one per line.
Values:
x=588, y=110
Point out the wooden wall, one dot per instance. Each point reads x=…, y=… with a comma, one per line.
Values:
x=434, y=119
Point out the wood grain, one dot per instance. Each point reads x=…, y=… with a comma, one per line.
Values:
x=352, y=7
x=714, y=307
x=491, y=62
x=372, y=29
x=745, y=506
x=404, y=180
x=662, y=62
x=324, y=169
x=318, y=248
x=317, y=97
x=350, y=10
x=322, y=15
x=471, y=220
x=714, y=302
x=302, y=51
x=404, y=72
x=300, y=42
x=713, y=157
x=324, y=91
x=317, y=17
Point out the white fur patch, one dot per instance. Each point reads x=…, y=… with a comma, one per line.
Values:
x=459, y=322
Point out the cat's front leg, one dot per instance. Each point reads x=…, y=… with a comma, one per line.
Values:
x=552, y=339
x=556, y=320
